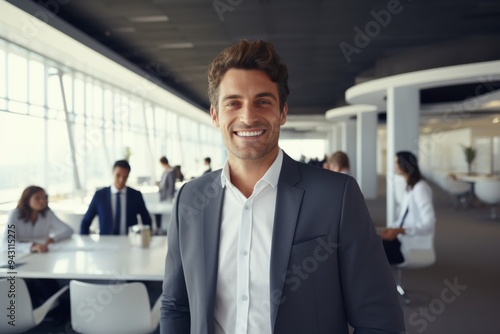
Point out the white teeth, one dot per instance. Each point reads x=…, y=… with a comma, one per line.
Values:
x=249, y=133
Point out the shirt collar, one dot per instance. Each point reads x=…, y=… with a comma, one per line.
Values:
x=271, y=176
x=114, y=190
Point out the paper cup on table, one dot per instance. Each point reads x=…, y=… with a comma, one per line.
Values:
x=140, y=235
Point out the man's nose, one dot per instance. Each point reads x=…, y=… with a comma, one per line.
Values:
x=248, y=114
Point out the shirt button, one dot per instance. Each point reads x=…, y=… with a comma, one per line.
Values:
x=244, y=253
x=246, y=207
x=244, y=298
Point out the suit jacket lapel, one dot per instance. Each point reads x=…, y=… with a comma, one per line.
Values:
x=214, y=198
x=288, y=204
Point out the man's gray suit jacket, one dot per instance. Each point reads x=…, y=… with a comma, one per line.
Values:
x=328, y=266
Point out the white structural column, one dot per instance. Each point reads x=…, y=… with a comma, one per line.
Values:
x=348, y=143
x=334, y=139
x=338, y=137
x=403, y=115
x=366, y=153
x=330, y=141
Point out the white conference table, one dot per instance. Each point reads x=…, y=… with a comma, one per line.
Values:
x=94, y=257
x=475, y=178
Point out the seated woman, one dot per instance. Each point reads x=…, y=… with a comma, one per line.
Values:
x=33, y=225
x=415, y=226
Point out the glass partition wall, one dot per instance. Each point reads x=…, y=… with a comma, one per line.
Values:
x=63, y=129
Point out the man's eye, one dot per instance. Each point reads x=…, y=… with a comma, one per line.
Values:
x=263, y=102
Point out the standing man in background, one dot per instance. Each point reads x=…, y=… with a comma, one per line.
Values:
x=208, y=164
x=166, y=187
x=268, y=244
x=117, y=206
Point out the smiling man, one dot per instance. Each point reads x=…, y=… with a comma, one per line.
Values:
x=267, y=244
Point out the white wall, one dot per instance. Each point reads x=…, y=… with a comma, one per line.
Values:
x=442, y=151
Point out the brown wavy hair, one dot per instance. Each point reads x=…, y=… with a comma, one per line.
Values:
x=254, y=55
x=23, y=206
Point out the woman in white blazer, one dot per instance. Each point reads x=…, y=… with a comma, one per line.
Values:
x=414, y=228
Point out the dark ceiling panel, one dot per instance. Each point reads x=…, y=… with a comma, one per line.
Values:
x=311, y=36
x=457, y=93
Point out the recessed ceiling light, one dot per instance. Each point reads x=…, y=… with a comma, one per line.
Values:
x=149, y=19
x=496, y=120
x=492, y=104
x=124, y=29
x=185, y=45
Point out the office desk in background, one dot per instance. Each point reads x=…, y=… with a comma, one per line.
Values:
x=94, y=257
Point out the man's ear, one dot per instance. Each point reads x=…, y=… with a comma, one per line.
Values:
x=283, y=114
x=215, y=117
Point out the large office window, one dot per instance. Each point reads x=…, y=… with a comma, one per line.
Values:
x=63, y=129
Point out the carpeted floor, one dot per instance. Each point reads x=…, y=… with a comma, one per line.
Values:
x=468, y=258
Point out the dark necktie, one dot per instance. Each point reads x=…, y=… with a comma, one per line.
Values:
x=118, y=214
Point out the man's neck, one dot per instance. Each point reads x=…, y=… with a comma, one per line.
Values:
x=246, y=173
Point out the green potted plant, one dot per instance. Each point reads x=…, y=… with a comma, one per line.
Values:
x=470, y=154
x=127, y=153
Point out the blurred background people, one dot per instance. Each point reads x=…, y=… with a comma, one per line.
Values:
x=414, y=227
x=166, y=186
x=117, y=206
x=179, y=177
x=208, y=165
x=32, y=226
x=339, y=162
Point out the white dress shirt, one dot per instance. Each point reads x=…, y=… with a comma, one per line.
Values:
x=123, y=214
x=26, y=233
x=242, y=301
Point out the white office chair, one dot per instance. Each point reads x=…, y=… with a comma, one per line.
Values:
x=459, y=190
x=25, y=317
x=414, y=259
x=112, y=308
x=488, y=191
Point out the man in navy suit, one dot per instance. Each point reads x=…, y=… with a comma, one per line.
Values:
x=267, y=244
x=117, y=206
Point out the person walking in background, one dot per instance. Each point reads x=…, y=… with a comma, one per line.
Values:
x=178, y=174
x=34, y=224
x=208, y=165
x=415, y=224
x=167, y=181
x=166, y=185
x=117, y=206
x=339, y=162
x=268, y=244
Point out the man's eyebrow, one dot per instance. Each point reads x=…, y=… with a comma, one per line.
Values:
x=267, y=94
x=259, y=95
x=229, y=97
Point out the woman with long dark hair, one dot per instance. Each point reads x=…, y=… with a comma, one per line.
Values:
x=32, y=226
x=414, y=227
